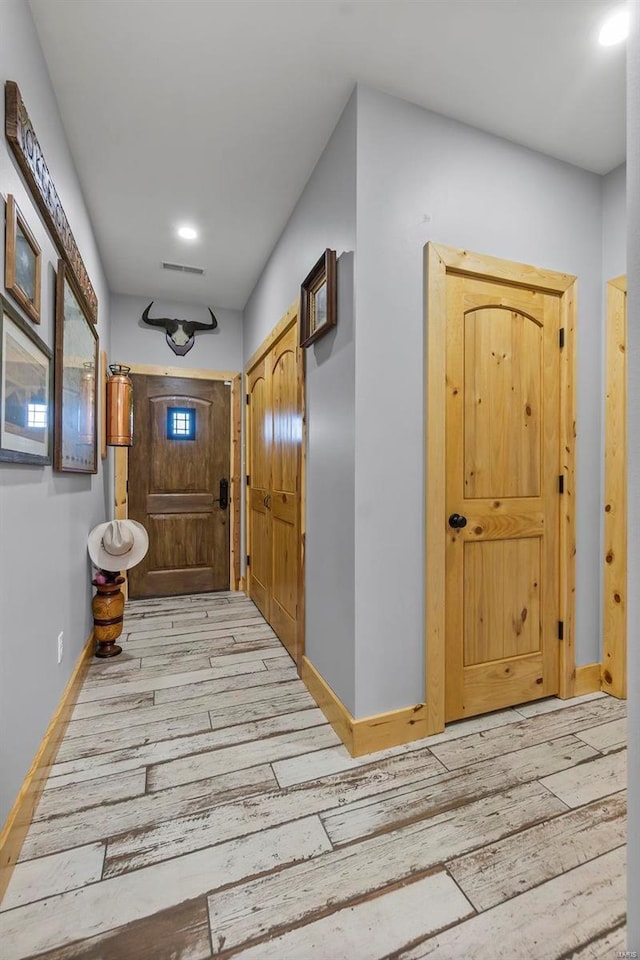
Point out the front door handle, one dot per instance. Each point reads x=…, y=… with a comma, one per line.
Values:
x=224, y=494
x=457, y=521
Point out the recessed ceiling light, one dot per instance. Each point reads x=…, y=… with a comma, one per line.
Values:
x=187, y=233
x=615, y=29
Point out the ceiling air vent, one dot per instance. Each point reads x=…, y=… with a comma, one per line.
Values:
x=181, y=268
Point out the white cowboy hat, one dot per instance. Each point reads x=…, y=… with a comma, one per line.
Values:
x=118, y=544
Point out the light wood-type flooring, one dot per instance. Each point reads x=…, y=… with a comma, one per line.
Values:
x=201, y=807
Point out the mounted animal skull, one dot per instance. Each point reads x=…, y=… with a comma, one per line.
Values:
x=180, y=334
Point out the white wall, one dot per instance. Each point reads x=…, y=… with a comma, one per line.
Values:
x=324, y=217
x=423, y=177
x=633, y=453
x=44, y=516
x=133, y=341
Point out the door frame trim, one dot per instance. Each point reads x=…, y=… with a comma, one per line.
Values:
x=121, y=468
x=439, y=261
x=614, y=626
x=289, y=319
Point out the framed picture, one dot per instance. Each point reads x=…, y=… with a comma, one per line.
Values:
x=76, y=380
x=26, y=391
x=22, y=262
x=318, y=300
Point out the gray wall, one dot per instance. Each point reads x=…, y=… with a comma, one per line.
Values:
x=423, y=177
x=133, y=341
x=325, y=216
x=633, y=452
x=44, y=517
x=614, y=223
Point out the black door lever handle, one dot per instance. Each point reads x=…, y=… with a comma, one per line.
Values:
x=223, y=500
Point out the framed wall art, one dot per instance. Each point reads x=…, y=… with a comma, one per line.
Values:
x=26, y=391
x=22, y=262
x=76, y=380
x=318, y=300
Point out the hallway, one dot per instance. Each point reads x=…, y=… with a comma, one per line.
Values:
x=201, y=806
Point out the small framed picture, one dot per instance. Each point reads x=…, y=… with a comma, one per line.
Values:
x=318, y=300
x=76, y=380
x=23, y=262
x=26, y=391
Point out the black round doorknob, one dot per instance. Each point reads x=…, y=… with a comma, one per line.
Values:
x=457, y=521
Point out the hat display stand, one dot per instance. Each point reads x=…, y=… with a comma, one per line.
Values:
x=114, y=546
x=108, y=615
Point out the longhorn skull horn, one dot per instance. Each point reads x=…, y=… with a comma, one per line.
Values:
x=191, y=325
x=169, y=325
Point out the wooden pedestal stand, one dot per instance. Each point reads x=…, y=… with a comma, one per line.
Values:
x=108, y=609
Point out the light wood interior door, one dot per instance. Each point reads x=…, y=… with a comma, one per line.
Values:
x=260, y=430
x=175, y=485
x=502, y=495
x=284, y=502
x=274, y=428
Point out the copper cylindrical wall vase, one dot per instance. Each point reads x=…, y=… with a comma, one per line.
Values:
x=108, y=610
x=119, y=407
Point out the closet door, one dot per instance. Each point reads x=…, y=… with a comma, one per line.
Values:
x=274, y=466
x=284, y=500
x=260, y=431
x=503, y=428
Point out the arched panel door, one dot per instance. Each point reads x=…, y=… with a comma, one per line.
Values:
x=502, y=503
x=259, y=425
x=285, y=485
x=274, y=430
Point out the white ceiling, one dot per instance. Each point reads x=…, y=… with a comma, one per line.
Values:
x=215, y=111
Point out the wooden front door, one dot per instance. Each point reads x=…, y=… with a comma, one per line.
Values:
x=274, y=428
x=502, y=494
x=178, y=467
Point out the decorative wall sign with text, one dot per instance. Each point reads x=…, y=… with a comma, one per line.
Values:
x=24, y=143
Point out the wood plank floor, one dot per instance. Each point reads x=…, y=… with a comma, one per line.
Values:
x=201, y=807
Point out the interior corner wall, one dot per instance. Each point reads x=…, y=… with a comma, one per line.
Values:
x=633, y=468
x=44, y=516
x=133, y=341
x=324, y=217
x=614, y=224
x=421, y=177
